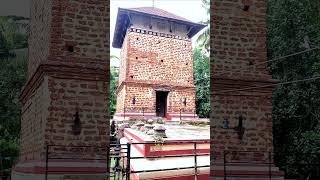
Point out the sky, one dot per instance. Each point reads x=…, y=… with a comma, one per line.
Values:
x=15, y=7
x=189, y=9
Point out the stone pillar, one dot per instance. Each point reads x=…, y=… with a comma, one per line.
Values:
x=65, y=100
x=239, y=52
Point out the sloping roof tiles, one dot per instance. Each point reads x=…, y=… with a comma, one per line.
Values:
x=123, y=22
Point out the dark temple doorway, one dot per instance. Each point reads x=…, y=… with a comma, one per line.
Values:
x=161, y=103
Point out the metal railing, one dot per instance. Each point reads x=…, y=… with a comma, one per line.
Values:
x=74, y=154
x=6, y=164
x=118, y=155
x=262, y=159
x=194, y=154
x=146, y=110
x=117, y=158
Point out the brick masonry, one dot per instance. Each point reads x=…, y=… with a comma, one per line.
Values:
x=68, y=72
x=150, y=61
x=239, y=49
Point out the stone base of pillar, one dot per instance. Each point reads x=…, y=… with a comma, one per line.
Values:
x=245, y=171
x=29, y=176
x=60, y=170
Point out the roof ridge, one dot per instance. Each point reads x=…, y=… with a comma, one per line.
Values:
x=159, y=12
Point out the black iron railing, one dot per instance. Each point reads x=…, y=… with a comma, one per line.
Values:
x=195, y=155
x=145, y=110
x=74, y=154
x=6, y=164
x=117, y=158
x=262, y=159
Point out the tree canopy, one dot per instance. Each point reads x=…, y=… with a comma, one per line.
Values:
x=293, y=26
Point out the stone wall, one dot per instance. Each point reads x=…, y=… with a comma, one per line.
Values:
x=159, y=59
x=71, y=96
x=123, y=61
x=39, y=37
x=33, y=123
x=239, y=39
x=81, y=25
x=150, y=60
x=68, y=72
x=146, y=99
x=121, y=99
x=176, y=98
x=239, y=51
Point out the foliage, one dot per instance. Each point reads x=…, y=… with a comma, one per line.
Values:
x=204, y=38
x=202, y=81
x=10, y=37
x=292, y=28
x=12, y=74
x=113, y=87
x=12, y=77
x=306, y=164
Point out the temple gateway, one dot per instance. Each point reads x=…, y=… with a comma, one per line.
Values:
x=156, y=66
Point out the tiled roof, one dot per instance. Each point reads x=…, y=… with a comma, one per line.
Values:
x=123, y=22
x=159, y=12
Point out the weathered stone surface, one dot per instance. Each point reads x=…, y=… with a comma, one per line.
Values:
x=159, y=130
x=149, y=62
x=239, y=49
x=67, y=73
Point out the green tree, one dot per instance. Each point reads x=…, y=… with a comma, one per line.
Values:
x=292, y=28
x=10, y=37
x=202, y=81
x=114, y=74
x=305, y=164
x=204, y=37
x=12, y=78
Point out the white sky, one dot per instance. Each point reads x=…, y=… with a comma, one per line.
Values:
x=189, y=9
x=15, y=7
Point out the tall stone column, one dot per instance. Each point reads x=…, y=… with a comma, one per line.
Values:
x=239, y=54
x=65, y=100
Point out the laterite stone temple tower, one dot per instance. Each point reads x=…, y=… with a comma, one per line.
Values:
x=65, y=99
x=240, y=53
x=156, y=67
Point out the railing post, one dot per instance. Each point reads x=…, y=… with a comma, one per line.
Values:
x=180, y=114
x=270, y=161
x=108, y=160
x=224, y=166
x=47, y=159
x=195, y=162
x=143, y=111
x=124, y=113
x=128, y=161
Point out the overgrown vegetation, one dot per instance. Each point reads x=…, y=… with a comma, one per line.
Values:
x=13, y=69
x=113, y=89
x=293, y=26
x=201, y=66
